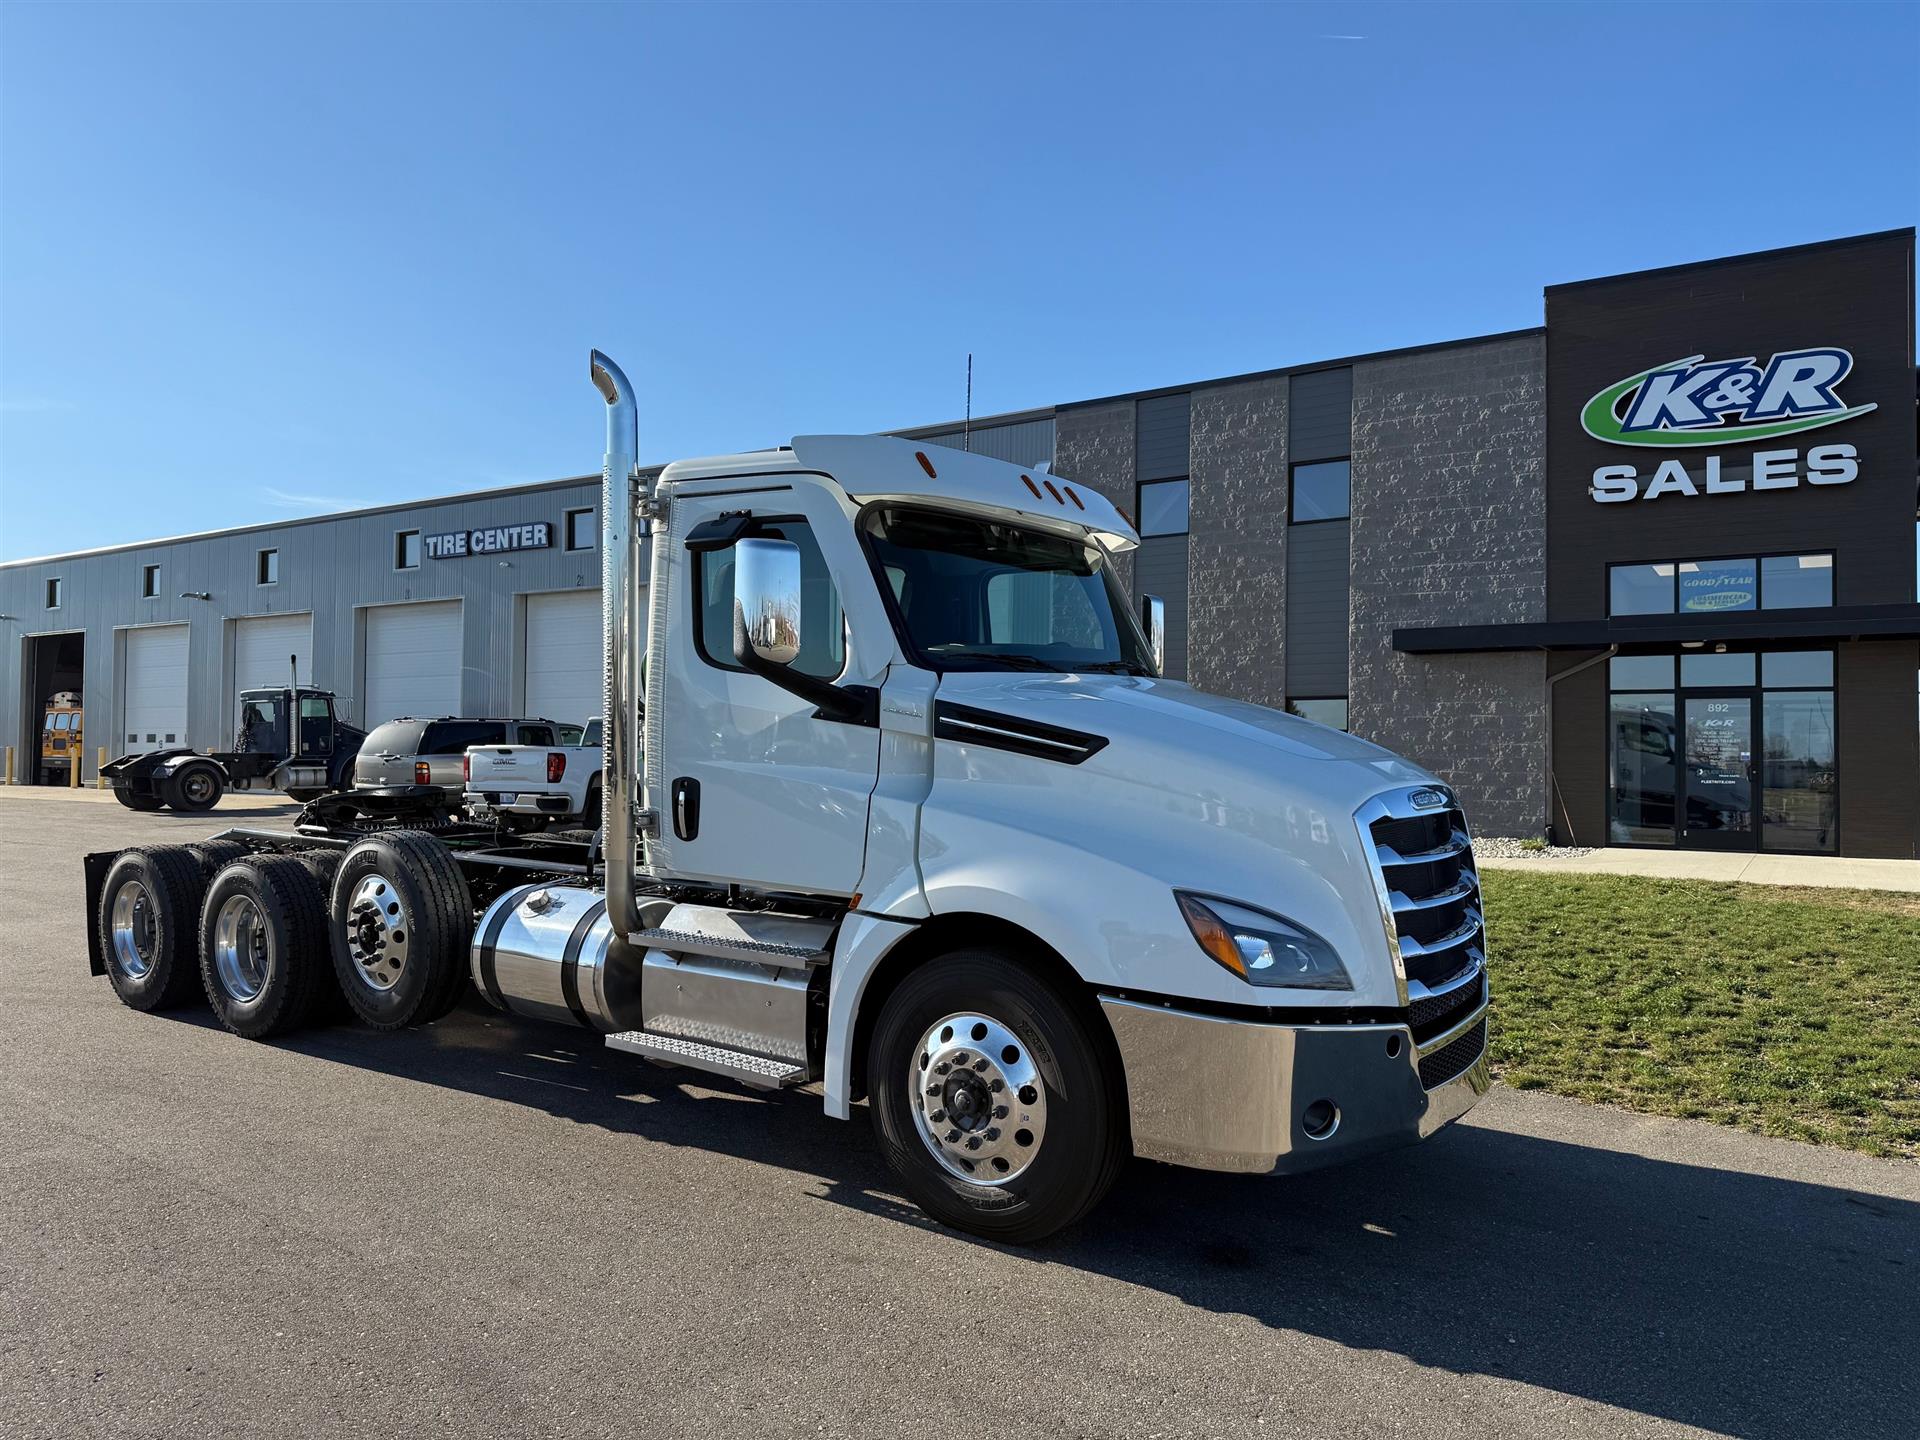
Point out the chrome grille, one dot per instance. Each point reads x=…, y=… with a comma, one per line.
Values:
x=1423, y=859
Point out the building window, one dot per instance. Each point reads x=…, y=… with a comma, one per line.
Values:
x=406, y=550
x=1709, y=587
x=1321, y=491
x=1163, y=508
x=1327, y=711
x=1640, y=589
x=267, y=568
x=56, y=592
x=582, y=532
x=149, y=581
x=1796, y=582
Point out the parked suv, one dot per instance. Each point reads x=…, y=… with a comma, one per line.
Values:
x=431, y=752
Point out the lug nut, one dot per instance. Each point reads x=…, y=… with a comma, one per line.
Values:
x=959, y=1057
x=993, y=1132
x=942, y=1068
x=938, y=1116
x=952, y=1136
x=980, y=1064
x=999, y=1112
x=996, y=1085
x=973, y=1142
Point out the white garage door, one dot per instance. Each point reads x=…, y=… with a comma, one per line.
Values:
x=413, y=661
x=156, y=687
x=563, y=665
x=261, y=645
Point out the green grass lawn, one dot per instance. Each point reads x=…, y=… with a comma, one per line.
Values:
x=1793, y=1012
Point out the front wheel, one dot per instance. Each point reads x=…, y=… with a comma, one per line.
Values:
x=993, y=1099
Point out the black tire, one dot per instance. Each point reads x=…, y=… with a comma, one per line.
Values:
x=1083, y=1143
x=136, y=800
x=152, y=960
x=303, y=794
x=592, y=813
x=263, y=954
x=400, y=921
x=330, y=1006
x=194, y=788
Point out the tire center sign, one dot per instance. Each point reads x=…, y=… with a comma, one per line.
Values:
x=489, y=540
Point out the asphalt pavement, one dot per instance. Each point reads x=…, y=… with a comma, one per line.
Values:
x=494, y=1228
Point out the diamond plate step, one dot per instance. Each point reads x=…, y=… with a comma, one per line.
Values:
x=758, y=936
x=760, y=1071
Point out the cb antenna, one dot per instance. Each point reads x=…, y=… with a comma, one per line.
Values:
x=966, y=426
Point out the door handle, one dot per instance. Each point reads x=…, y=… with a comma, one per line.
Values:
x=686, y=807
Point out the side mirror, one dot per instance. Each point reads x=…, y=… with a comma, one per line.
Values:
x=766, y=601
x=1153, y=619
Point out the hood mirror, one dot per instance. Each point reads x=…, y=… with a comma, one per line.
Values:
x=1153, y=620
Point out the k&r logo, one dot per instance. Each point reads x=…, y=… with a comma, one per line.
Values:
x=1697, y=401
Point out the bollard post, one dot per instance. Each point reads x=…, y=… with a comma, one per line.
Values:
x=100, y=764
x=75, y=755
x=9, y=764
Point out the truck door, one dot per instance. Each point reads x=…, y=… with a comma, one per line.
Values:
x=755, y=789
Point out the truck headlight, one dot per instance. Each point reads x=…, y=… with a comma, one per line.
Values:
x=1260, y=948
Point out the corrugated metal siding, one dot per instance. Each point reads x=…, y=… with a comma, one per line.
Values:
x=1317, y=606
x=1162, y=433
x=334, y=567
x=1160, y=568
x=1025, y=442
x=1320, y=416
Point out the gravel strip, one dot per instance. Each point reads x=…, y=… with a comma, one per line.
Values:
x=1499, y=847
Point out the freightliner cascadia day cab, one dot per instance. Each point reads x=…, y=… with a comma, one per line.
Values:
x=912, y=817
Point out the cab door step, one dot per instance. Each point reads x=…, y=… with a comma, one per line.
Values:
x=763, y=1072
x=759, y=937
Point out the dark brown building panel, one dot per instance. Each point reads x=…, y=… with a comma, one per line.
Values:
x=1854, y=295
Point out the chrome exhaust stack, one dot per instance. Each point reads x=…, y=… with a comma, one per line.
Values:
x=623, y=631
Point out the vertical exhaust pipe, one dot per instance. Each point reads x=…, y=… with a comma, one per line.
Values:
x=623, y=631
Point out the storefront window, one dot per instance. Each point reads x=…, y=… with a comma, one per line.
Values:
x=1640, y=590
x=1796, y=582
x=1704, y=669
x=1640, y=672
x=1797, y=787
x=1711, y=586
x=1644, y=769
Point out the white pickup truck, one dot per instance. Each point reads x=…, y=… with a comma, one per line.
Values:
x=529, y=786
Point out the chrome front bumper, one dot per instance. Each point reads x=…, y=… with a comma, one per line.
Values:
x=1235, y=1095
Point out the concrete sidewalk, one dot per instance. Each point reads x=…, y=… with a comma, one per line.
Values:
x=1829, y=871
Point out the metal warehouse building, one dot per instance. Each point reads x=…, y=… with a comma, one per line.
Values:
x=1643, y=575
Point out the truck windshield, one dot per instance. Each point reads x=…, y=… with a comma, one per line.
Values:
x=979, y=594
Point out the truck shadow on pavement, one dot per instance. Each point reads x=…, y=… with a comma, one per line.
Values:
x=1738, y=1303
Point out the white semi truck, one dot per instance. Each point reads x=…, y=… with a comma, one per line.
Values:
x=914, y=818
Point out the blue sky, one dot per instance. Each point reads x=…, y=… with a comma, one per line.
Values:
x=263, y=261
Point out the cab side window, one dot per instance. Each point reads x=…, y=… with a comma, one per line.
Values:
x=823, y=631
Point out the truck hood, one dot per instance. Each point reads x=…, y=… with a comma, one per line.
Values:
x=1142, y=717
x=1185, y=791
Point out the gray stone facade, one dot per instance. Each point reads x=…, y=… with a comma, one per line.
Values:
x=1093, y=445
x=1449, y=523
x=1237, y=533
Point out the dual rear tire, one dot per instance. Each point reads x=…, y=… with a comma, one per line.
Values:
x=278, y=941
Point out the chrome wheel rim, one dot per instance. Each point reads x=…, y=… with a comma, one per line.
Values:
x=197, y=785
x=132, y=927
x=240, y=948
x=379, y=930
x=978, y=1100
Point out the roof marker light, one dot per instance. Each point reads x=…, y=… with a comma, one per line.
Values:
x=925, y=464
x=1027, y=480
x=1053, y=492
x=1073, y=497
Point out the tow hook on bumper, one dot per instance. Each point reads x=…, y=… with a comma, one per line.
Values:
x=1258, y=1098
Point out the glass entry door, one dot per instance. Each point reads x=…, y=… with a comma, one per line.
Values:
x=1718, y=811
